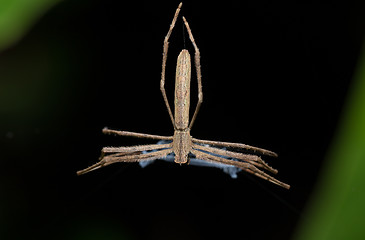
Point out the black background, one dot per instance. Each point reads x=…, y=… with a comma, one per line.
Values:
x=275, y=75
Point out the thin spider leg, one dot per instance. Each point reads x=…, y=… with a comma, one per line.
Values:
x=235, y=145
x=137, y=135
x=253, y=159
x=133, y=150
x=91, y=168
x=113, y=158
x=265, y=176
x=198, y=73
x=164, y=58
x=244, y=166
x=121, y=154
x=208, y=157
x=138, y=148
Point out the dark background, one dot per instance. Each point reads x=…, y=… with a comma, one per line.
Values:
x=275, y=75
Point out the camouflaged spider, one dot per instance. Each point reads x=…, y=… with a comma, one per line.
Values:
x=182, y=143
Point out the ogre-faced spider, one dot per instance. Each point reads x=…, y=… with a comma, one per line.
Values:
x=182, y=143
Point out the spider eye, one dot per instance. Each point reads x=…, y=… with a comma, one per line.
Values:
x=181, y=159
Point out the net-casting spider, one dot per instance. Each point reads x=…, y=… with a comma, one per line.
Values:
x=182, y=143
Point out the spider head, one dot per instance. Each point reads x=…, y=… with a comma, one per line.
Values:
x=182, y=146
x=182, y=159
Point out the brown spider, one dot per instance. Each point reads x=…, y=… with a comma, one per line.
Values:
x=182, y=143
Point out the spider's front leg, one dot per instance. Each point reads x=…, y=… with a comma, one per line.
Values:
x=253, y=159
x=129, y=154
x=248, y=167
x=134, y=134
x=236, y=145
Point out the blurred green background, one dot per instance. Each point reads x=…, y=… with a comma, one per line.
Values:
x=336, y=209
x=68, y=68
x=17, y=18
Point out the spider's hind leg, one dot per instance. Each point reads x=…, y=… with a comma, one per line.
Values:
x=164, y=59
x=198, y=73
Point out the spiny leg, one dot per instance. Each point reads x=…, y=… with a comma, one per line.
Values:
x=244, y=166
x=212, y=158
x=164, y=58
x=235, y=145
x=137, y=135
x=253, y=170
x=138, y=148
x=253, y=159
x=133, y=150
x=113, y=158
x=198, y=73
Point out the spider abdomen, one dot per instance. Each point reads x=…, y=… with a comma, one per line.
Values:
x=182, y=90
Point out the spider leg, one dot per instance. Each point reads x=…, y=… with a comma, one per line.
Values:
x=139, y=148
x=133, y=150
x=113, y=158
x=235, y=145
x=244, y=166
x=164, y=58
x=253, y=159
x=253, y=170
x=134, y=134
x=198, y=73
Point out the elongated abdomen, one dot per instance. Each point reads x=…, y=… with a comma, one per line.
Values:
x=182, y=90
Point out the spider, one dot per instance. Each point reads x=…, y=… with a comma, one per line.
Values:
x=182, y=143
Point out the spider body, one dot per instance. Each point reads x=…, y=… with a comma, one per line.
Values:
x=182, y=139
x=182, y=143
x=182, y=90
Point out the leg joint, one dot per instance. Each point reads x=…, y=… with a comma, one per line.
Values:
x=200, y=97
